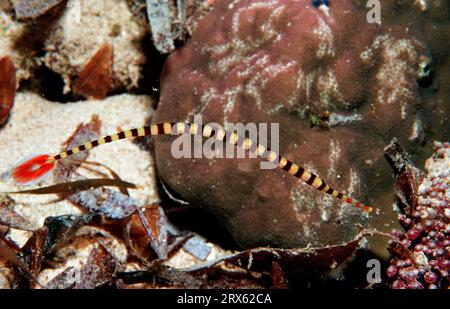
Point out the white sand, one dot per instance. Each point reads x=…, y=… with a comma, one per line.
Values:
x=38, y=126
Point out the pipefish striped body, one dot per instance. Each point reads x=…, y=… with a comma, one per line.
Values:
x=38, y=166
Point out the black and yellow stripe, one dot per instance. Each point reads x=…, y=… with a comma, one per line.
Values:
x=178, y=128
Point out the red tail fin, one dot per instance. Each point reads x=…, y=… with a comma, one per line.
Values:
x=32, y=170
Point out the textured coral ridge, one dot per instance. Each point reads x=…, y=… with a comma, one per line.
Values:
x=285, y=61
x=422, y=253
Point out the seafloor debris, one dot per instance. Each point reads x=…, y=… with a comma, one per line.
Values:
x=7, y=87
x=170, y=22
x=204, y=278
x=278, y=276
x=250, y=268
x=10, y=218
x=68, y=35
x=99, y=271
x=80, y=31
x=94, y=80
x=158, y=13
x=10, y=254
x=14, y=43
x=31, y=254
x=32, y=9
x=281, y=62
x=148, y=226
x=421, y=253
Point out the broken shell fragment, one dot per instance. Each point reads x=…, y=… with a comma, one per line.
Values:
x=95, y=77
x=7, y=87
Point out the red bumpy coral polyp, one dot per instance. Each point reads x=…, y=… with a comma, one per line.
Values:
x=32, y=170
x=421, y=254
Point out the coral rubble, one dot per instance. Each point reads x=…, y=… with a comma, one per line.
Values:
x=78, y=35
x=421, y=253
